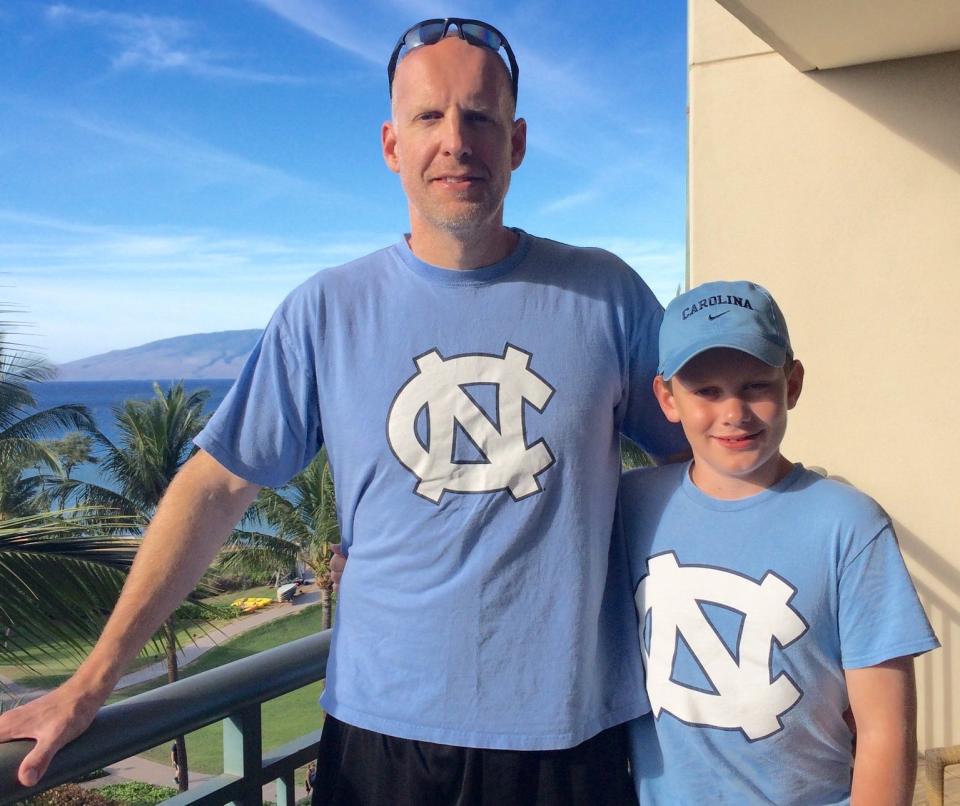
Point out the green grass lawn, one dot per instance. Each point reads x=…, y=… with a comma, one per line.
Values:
x=60, y=660
x=283, y=719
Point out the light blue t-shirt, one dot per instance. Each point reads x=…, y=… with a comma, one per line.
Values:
x=750, y=610
x=472, y=421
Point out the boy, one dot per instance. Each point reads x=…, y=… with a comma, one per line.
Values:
x=770, y=600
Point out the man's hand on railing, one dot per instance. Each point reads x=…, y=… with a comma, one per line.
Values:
x=337, y=563
x=52, y=720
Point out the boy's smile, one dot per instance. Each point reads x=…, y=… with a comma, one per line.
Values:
x=733, y=409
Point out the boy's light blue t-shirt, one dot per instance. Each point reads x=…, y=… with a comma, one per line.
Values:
x=472, y=423
x=750, y=611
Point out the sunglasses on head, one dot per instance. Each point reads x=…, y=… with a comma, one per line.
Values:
x=474, y=32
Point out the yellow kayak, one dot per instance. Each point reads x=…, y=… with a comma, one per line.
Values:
x=251, y=603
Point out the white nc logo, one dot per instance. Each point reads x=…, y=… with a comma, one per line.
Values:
x=746, y=698
x=439, y=386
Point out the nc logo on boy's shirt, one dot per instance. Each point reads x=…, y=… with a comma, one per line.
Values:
x=441, y=431
x=738, y=690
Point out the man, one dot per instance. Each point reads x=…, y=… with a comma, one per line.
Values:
x=469, y=384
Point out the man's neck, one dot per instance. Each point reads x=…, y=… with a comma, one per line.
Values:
x=461, y=251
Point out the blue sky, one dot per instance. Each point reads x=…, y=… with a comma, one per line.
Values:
x=178, y=167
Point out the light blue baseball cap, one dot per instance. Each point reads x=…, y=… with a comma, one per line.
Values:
x=737, y=314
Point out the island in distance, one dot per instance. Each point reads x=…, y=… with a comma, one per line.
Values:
x=198, y=356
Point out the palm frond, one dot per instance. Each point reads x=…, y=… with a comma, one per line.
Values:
x=59, y=582
x=255, y=552
x=99, y=498
x=39, y=423
x=632, y=455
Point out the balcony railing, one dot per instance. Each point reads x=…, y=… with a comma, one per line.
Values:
x=232, y=693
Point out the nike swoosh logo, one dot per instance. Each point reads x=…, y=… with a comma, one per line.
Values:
x=711, y=317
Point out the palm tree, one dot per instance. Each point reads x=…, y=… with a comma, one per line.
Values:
x=57, y=580
x=303, y=517
x=72, y=449
x=21, y=424
x=21, y=427
x=156, y=438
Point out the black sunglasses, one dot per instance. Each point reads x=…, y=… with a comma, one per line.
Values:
x=474, y=32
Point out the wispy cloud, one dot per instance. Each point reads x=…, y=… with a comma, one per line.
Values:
x=347, y=31
x=91, y=288
x=64, y=249
x=202, y=160
x=569, y=202
x=201, y=163
x=157, y=43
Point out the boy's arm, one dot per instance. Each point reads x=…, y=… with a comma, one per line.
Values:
x=197, y=514
x=883, y=699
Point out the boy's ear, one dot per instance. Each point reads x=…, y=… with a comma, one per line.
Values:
x=665, y=398
x=794, y=384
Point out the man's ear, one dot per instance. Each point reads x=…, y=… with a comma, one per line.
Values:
x=518, y=143
x=794, y=384
x=665, y=398
x=388, y=143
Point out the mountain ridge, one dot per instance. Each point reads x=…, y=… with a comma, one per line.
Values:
x=191, y=357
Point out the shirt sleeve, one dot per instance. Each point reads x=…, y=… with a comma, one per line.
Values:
x=881, y=617
x=643, y=421
x=267, y=429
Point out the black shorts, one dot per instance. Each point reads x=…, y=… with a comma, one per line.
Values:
x=358, y=767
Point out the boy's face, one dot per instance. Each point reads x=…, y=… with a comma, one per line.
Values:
x=733, y=409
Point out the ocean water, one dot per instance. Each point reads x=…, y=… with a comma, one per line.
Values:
x=102, y=397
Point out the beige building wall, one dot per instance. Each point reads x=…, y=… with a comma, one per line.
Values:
x=840, y=191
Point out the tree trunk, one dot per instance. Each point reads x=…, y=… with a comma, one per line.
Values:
x=326, y=619
x=173, y=674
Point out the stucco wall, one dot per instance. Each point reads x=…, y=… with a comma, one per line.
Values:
x=840, y=191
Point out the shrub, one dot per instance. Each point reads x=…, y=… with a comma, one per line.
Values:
x=70, y=795
x=136, y=793
x=190, y=611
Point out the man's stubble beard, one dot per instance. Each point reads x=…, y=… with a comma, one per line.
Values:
x=466, y=216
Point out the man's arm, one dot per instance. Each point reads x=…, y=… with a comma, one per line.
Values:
x=884, y=703
x=197, y=514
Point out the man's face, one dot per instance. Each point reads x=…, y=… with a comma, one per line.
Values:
x=733, y=409
x=453, y=139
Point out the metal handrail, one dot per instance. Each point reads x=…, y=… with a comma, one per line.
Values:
x=232, y=692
